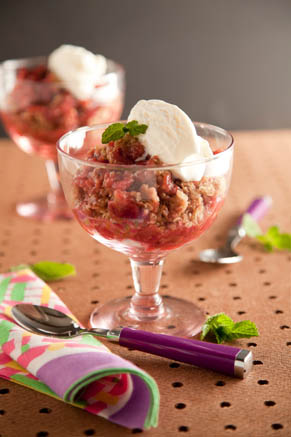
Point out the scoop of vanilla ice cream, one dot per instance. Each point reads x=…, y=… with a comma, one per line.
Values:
x=77, y=68
x=171, y=136
x=193, y=168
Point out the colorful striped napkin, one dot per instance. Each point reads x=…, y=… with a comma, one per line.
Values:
x=80, y=371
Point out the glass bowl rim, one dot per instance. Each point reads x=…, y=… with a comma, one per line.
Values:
x=117, y=68
x=135, y=167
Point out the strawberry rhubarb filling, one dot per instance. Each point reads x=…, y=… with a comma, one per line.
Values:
x=155, y=208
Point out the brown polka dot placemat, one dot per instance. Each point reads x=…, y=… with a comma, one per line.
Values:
x=194, y=402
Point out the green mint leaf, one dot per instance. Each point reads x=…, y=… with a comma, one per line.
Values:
x=244, y=329
x=48, y=270
x=220, y=325
x=222, y=334
x=251, y=226
x=273, y=233
x=284, y=242
x=278, y=240
x=117, y=130
x=114, y=132
x=52, y=271
x=272, y=239
x=267, y=244
x=19, y=267
x=135, y=129
x=206, y=329
x=220, y=319
x=224, y=329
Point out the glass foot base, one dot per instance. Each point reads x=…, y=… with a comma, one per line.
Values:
x=180, y=317
x=42, y=210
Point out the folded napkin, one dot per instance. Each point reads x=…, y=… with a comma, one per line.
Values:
x=81, y=370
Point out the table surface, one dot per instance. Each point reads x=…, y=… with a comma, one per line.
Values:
x=259, y=289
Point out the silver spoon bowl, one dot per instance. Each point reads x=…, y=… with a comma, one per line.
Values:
x=225, y=254
x=47, y=321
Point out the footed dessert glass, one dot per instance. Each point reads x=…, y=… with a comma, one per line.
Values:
x=36, y=111
x=145, y=212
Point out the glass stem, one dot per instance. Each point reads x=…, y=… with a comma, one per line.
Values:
x=56, y=194
x=146, y=304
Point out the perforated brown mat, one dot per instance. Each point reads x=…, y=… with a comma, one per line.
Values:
x=194, y=402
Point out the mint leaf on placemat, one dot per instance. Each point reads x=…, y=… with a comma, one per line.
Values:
x=48, y=270
x=273, y=238
x=244, y=329
x=224, y=329
x=220, y=325
x=117, y=130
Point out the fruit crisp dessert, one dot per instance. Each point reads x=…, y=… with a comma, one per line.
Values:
x=67, y=90
x=138, y=195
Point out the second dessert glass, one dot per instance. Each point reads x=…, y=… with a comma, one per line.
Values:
x=139, y=211
x=37, y=110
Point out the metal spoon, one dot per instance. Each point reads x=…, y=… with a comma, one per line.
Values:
x=225, y=359
x=227, y=254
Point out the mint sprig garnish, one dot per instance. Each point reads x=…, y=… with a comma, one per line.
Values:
x=48, y=270
x=273, y=238
x=225, y=329
x=134, y=128
x=113, y=132
x=117, y=130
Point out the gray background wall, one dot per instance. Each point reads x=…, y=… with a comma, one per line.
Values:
x=227, y=62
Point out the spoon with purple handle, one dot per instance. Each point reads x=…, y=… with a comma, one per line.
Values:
x=226, y=254
x=229, y=360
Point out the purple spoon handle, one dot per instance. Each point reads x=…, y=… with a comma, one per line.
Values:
x=257, y=208
x=224, y=359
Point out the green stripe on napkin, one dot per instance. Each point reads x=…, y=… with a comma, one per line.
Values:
x=3, y=287
x=5, y=327
x=18, y=290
